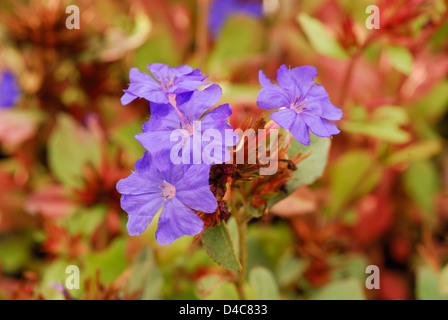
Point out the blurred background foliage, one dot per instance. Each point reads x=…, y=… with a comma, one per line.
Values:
x=383, y=197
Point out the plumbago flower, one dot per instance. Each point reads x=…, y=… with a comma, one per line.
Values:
x=303, y=105
x=166, y=81
x=186, y=135
x=221, y=10
x=9, y=90
x=179, y=190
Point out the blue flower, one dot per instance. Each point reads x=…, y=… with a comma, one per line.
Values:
x=193, y=131
x=166, y=81
x=178, y=190
x=9, y=90
x=304, y=105
x=221, y=10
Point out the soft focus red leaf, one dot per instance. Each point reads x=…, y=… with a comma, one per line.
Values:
x=301, y=201
x=51, y=202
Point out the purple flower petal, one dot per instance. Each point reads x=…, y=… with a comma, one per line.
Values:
x=315, y=124
x=136, y=184
x=9, y=90
x=127, y=98
x=143, y=180
x=201, y=101
x=300, y=131
x=136, y=75
x=160, y=110
x=141, y=210
x=183, y=70
x=187, y=85
x=218, y=119
x=331, y=127
x=155, y=141
x=317, y=96
x=155, y=96
x=221, y=10
x=284, y=78
x=271, y=96
x=285, y=118
x=176, y=221
x=194, y=190
x=159, y=70
x=303, y=77
x=175, y=174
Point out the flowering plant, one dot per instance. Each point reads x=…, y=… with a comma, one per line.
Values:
x=220, y=171
x=182, y=190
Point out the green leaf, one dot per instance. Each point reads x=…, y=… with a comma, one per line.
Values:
x=353, y=175
x=351, y=266
x=124, y=136
x=347, y=289
x=86, y=220
x=233, y=229
x=240, y=39
x=111, y=262
x=208, y=284
x=312, y=168
x=71, y=148
x=384, y=125
x=225, y=291
x=427, y=285
x=160, y=48
x=15, y=252
x=400, y=58
x=290, y=269
x=308, y=170
x=433, y=106
x=267, y=245
x=320, y=38
x=421, y=181
x=219, y=246
x=443, y=281
x=418, y=151
x=146, y=277
x=264, y=283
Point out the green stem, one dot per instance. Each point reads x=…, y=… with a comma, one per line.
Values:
x=242, y=232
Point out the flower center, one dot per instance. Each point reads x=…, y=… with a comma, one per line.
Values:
x=299, y=104
x=189, y=126
x=168, y=190
x=167, y=83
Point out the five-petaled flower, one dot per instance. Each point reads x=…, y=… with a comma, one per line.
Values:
x=303, y=105
x=179, y=190
x=166, y=81
x=9, y=90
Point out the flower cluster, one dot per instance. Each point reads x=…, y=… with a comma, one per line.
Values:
x=180, y=116
x=171, y=176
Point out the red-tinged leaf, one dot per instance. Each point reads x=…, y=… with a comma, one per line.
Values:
x=16, y=127
x=51, y=202
x=374, y=217
x=393, y=286
x=301, y=201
